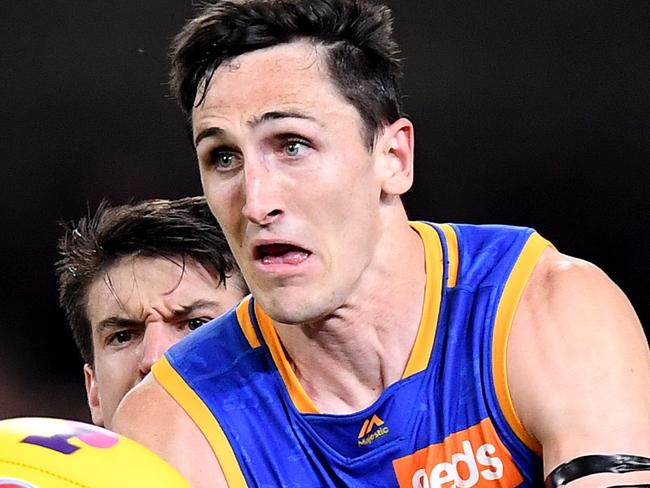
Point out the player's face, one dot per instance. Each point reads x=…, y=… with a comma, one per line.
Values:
x=138, y=309
x=288, y=175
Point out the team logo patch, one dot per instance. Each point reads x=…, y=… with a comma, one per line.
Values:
x=372, y=429
x=474, y=457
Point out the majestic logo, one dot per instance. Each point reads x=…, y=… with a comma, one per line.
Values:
x=471, y=458
x=372, y=429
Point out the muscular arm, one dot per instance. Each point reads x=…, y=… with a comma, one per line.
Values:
x=150, y=416
x=579, y=367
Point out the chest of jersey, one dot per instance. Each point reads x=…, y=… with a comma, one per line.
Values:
x=441, y=425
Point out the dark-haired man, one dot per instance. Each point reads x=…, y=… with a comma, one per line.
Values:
x=135, y=279
x=375, y=352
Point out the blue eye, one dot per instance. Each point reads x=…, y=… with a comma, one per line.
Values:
x=294, y=148
x=223, y=159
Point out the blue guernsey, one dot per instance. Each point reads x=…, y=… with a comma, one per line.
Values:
x=448, y=422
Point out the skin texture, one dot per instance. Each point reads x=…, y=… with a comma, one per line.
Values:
x=258, y=189
x=138, y=309
x=282, y=161
x=579, y=367
x=258, y=173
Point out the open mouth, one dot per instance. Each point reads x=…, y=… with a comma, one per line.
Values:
x=280, y=254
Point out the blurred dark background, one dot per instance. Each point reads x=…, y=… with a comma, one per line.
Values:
x=530, y=113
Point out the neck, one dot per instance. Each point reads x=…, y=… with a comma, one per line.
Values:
x=345, y=361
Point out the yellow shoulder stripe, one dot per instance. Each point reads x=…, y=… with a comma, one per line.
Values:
x=246, y=324
x=299, y=396
x=512, y=292
x=189, y=401
x=452, y=254
x=419, y=358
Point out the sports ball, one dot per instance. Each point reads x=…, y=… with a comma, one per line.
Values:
x=57, y=453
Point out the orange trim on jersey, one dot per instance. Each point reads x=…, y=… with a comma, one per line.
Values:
x=512, y=292
x=189, y=401
x=298, y=395
x=419, y=358
x=472, y=457
x=452, y=254
x=245, y=323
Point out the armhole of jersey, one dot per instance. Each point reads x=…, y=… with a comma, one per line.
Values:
x=452, y=254
x=245, y=323
x=510, y=297
x=190, y=402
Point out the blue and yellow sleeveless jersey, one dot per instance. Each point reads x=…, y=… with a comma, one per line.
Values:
x=448, y=422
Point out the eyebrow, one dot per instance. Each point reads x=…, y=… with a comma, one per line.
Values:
x=115, y=322
x=209, y=132
x=194, y=306
x=254, y=122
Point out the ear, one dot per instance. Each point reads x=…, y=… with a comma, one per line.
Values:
x=92, y=395
x=394, y=148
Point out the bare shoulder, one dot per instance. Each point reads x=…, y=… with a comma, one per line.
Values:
x=576, y=296
x=579, y=363
x=150, y=416
x=143, y=409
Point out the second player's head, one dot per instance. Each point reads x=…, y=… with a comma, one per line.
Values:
x=135, y=279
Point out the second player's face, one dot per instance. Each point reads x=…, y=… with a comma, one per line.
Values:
x=138, y=309
x=289, y=177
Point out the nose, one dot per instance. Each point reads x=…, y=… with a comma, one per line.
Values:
x=157, y=339
x=261, y=194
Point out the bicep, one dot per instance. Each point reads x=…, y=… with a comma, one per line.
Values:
x=579, y=364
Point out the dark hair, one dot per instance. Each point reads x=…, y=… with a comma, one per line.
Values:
x=182, y=228
x=361, y=54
